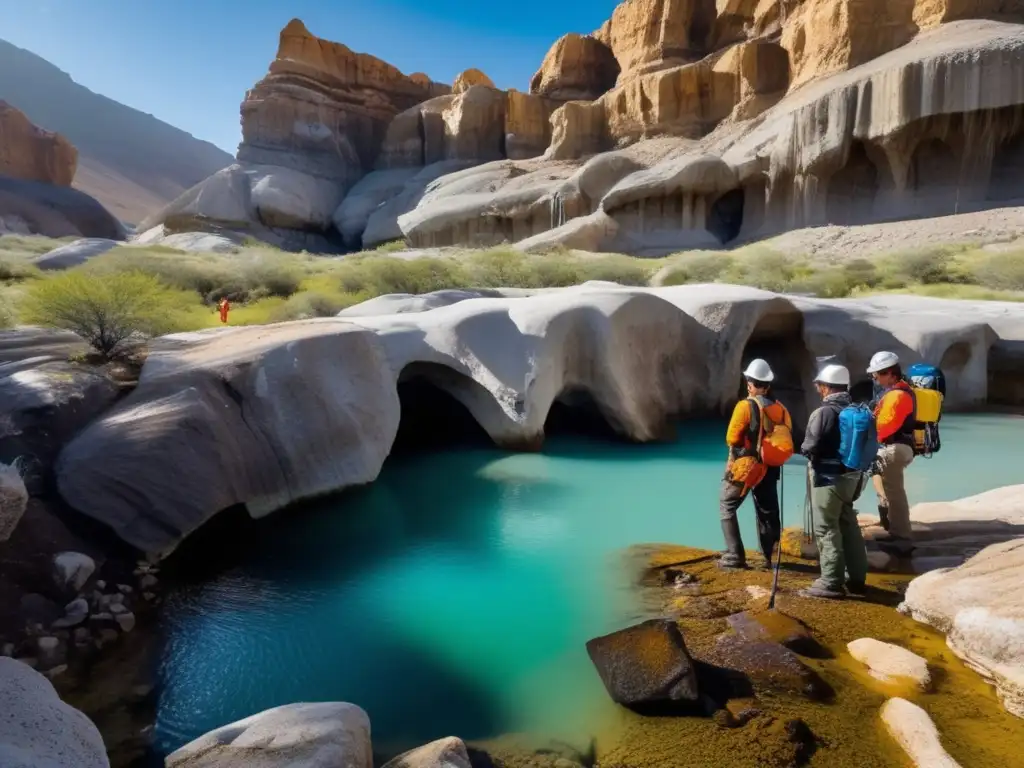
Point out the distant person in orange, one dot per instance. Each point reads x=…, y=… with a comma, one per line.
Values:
x=224, y=307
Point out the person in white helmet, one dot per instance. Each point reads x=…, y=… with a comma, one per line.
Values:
x=834, y=488
x=746, y=473
x=894, y=420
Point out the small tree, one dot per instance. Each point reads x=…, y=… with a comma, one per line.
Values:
x=105, y=309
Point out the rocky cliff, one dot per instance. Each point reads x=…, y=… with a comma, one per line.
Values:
x=28, y=152
x=694, y=122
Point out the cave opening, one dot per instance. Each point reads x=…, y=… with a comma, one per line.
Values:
x=725, y=219
x=853, y=189
x=779, y=339
x=935, y=178
x=433, y=418
x=576, y=412
x=1007, y=179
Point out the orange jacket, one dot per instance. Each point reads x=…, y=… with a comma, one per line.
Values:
x=894, y=408
x=738, y=433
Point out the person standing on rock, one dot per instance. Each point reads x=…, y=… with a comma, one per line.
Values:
x=894, y=419
x=838, y=432
x=760, y=441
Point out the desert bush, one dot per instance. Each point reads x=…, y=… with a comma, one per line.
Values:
x=828, y=283
x=6, y=313
x=926, y=266
x=624, y=270
x=763, y=268
x=500, y=268
x=1002, y=271
x=697, y=267
x=376, y=275
x=308, y=304
x=106, y=310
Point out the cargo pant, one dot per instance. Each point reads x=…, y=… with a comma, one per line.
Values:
x=837, y=533
x=893, y=459
x=766, y=508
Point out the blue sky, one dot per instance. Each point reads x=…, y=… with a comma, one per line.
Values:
x=189, y=62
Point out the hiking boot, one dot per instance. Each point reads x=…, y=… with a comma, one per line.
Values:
x=730, y=562
x=857, y=588
x=822, y=591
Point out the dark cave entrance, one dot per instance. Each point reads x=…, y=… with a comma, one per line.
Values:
x=853, y=189
x=778, y=338
x=725, y=219
x=576, y=412
x=432, y=416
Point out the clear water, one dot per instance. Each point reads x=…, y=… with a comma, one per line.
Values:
x=455, y=595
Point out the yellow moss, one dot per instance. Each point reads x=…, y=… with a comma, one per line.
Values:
x=973, y=725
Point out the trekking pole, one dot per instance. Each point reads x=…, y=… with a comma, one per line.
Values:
x=778, y=561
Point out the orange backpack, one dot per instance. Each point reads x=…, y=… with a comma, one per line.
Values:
x=773, y=442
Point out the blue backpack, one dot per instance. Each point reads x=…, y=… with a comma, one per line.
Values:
x=858, y=437
x=927, y=376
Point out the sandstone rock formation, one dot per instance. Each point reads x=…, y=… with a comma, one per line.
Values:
x=813, y=113
x=38, y=729
x=911, y=727
x=577, y=68
x=30, y=153
x=980, y=609
x=264, y=416
x=321, y=735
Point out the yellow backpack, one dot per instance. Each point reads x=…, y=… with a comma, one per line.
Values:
x=928, y=387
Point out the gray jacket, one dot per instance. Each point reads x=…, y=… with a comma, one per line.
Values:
x=821, y=440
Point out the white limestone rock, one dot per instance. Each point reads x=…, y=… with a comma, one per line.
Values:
x=74, y=253
x=913, y=730
x=980, y=608
x=37, y=729
x=72, y=570
x=890, y=663
x=321, y=735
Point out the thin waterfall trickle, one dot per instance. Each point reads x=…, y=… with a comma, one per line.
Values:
x=557, y=210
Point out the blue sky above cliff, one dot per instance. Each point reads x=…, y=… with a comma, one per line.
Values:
x=190, y=62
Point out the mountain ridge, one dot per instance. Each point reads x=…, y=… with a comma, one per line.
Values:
x=129, y=160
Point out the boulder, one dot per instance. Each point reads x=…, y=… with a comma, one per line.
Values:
x=45, y=405
x=646, y=664
x=369, y=194
x=46, y=731
x=284, y=197
x=576, y=68
x=321, y=735
x=980, y=608
x=71, y=570
x=774, y=627
x=475, y=125
x=769, y=666
x=56, y=211
x=443, y=753
x=890, y=663
x=74, y=253
x=913, y=730
x=30, y=153
x=75, y=612
x=13, y=499
x=197, y=242
x=468, y=78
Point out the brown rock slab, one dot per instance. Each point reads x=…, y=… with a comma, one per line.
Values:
x=769, y=666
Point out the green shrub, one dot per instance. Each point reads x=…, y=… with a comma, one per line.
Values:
x=927, y=266
x=6, y=313
x=698, y=267
x=371, y=276
x=559, y=271
x=106, y=309
x=308, y=304
x=862, y=273
x=624, y=270
x=1002, y=271
x=829, y=283
x=763, y=268
x=501, y=268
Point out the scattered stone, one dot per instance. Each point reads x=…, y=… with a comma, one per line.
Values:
x=126, y=621
x=51, y=654
x=102, y=616
x=916, y=733
x=770, y=666
x=118, y=608
x=775, y=627
x=75, y=613
x=46, y=731
x=124, y=589
x=449, y=752
x=674, y=577
x=645, y=664
x=72, y=570
x=889, y=663
x=148, y=581
x=101, y=584
x=320, y=735
x=34, y=629
x=148, y=596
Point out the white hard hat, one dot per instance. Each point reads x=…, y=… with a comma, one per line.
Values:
x=883, y=360
x=759, y=370
x=838, y=375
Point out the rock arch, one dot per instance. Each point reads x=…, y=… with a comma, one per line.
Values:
x=576, y=411
x=934, y=178
x=437, y=410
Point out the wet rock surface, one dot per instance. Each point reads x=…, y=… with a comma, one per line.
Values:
x=770, y=667
x=646, y=665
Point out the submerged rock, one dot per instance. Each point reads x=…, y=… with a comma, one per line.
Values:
x=449, y=752
x=38, y=729
x=916, y=733
x=646, y=664
x=890, y=663
x=321, y=735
